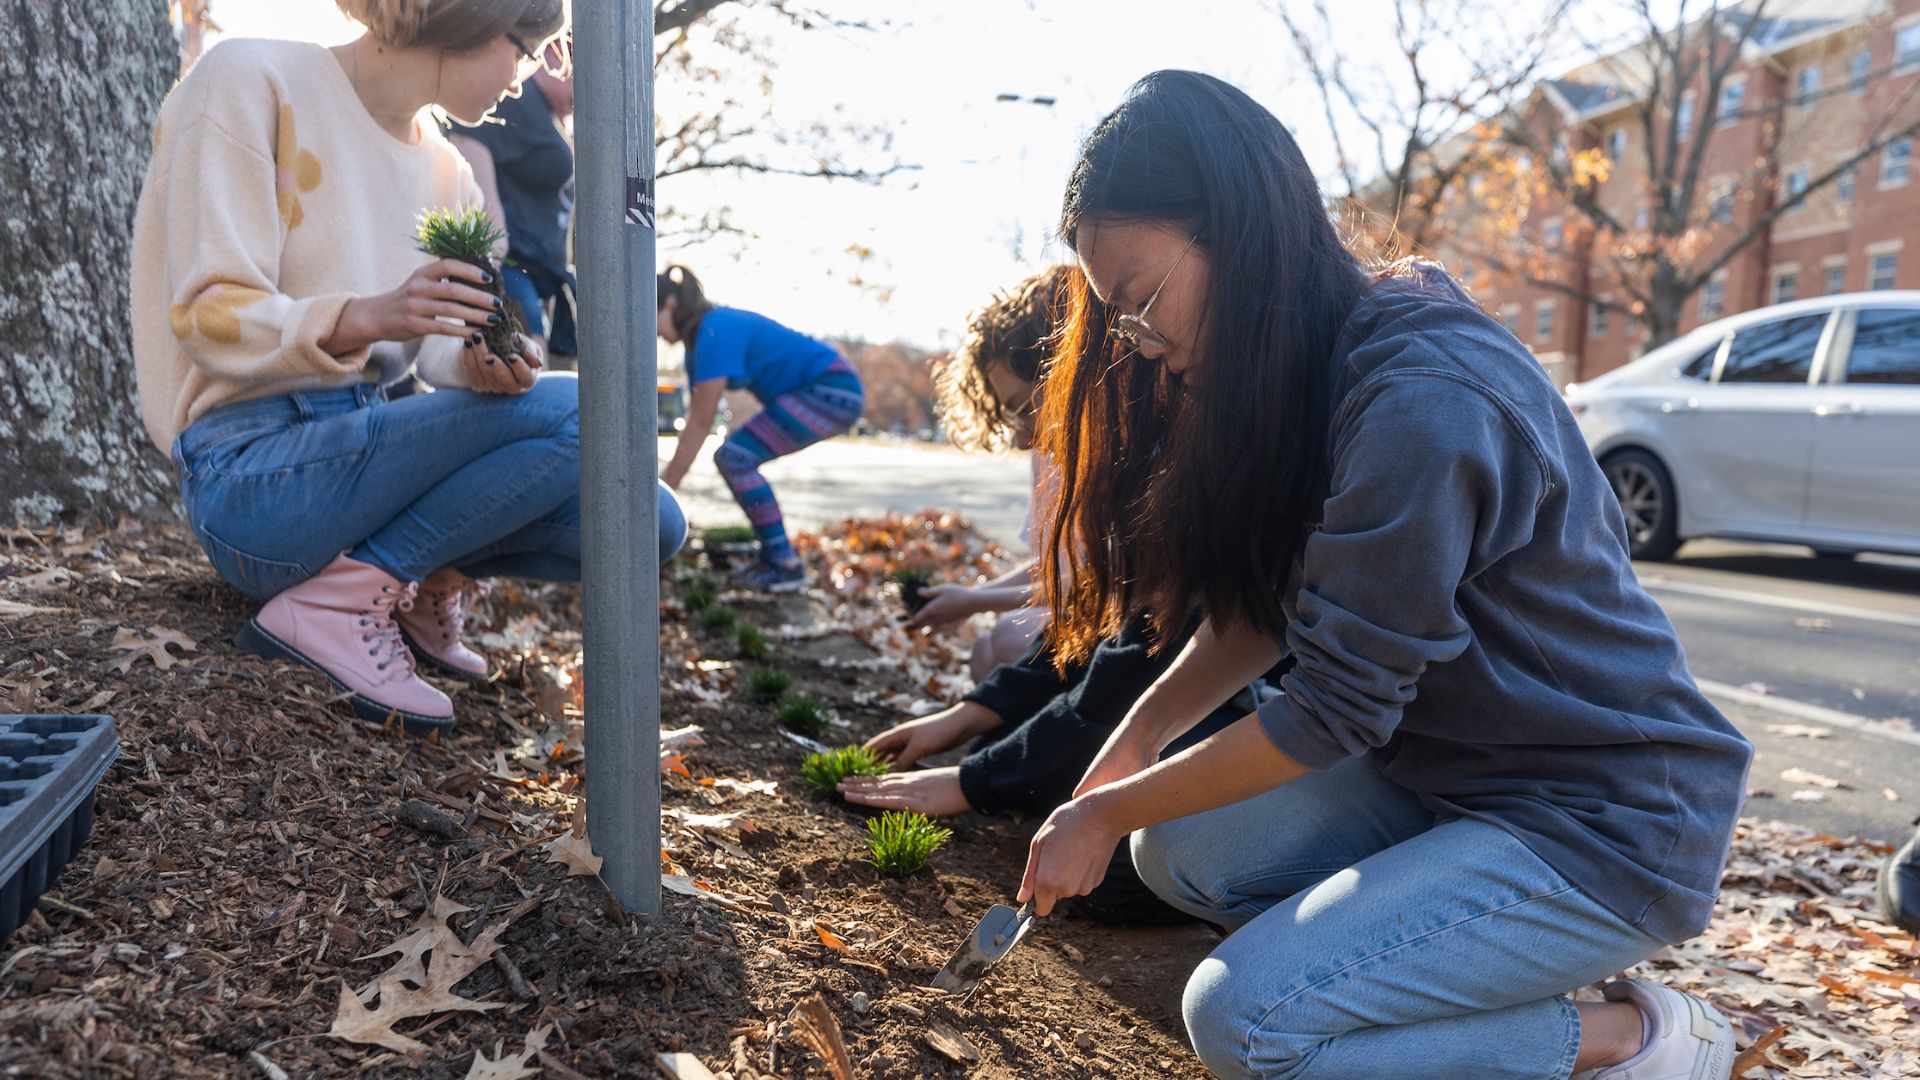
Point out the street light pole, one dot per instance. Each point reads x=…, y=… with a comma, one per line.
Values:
x=619, y=448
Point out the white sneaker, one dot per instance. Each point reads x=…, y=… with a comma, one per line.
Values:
x=1689, y=1039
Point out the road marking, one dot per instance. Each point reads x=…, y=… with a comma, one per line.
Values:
x=1801, y=710
x=1791, y=604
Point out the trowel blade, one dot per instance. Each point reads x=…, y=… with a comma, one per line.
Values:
x=998, y=932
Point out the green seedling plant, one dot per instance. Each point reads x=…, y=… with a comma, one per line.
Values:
x=909, y=582
x=728, y=534
x=901, y=840
x=768, y=684
x=823, y=772
x=752, y=643
x=716, y=618
x=470, y=235
x=803, y=715
x=697, y=600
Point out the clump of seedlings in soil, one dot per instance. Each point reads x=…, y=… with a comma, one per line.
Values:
x=752, y=643
x=803, y=715
x=697, y=600
x=909, y=584
x=823, y=772
x=470, y=235
x=728, y=534
x=901, y=840
x=768, y=684
x=716, y=618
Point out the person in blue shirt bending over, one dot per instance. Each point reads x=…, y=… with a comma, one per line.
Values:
x=808, y=392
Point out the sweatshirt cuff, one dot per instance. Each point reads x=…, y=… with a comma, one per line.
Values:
x=990, y=694
x=312, y=321
x=976, y=783
x=1302, y=738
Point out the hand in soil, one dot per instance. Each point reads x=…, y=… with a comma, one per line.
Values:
x=944, y=607
x=490, y=374
x=904, y=744
x=1069, y=855
x=933, y=792
x=441, y=290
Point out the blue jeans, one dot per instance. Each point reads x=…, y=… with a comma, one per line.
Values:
x=277, y=487
x=1369, y=941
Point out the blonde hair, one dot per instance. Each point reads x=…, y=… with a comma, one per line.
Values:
x=457, y=25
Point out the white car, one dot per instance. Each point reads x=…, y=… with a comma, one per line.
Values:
x=1798, y=423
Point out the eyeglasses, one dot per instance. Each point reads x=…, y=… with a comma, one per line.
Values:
x=1135, y=330
x=530, y=61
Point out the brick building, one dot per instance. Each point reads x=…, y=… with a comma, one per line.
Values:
x=1811, y=84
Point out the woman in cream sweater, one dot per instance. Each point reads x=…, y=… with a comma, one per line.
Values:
x=276, y=293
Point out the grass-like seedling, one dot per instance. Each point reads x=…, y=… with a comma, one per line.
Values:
x=470, y=235
x=703, y=583
x=908, y=581
x=728, y=534
x=752, y=643
x=768, y=684
x=697, y=600
x=803, y=715
x=716, y=618
x=901, y=840
x=823, y=772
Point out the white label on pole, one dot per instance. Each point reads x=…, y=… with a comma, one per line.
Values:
x=640, y=202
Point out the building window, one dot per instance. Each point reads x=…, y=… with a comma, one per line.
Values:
x=1552, y=232
x=1713, y=299
x=1543, y=322
x=1786, y=286
x=1732, y=95
x=1895, y=161
x=1721, y=210
x=1798, y=178
x=1836, y=278
x=1683, y=120
x=1859, y=71
x=1617, y=144
x=1598, y=321
x=1846, y=184
x=1882, y=269
x=1806, y=85
x=1510, y=317
x=1906, y=49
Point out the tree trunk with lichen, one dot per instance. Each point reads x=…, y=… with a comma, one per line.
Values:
x=83, y=83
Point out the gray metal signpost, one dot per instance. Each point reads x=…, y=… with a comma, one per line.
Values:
x=614, y=246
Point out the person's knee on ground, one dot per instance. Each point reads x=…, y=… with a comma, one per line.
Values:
x=1013, y=635
x=1174, y=867
x=672, y=521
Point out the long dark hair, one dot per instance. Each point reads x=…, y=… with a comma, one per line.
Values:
x=691, y=305
x=1178, y=498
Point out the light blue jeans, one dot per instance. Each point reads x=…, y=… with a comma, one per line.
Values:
x=277, y=487
x=1370, y=942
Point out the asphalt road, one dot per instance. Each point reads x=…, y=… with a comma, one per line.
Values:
x=1816, y=660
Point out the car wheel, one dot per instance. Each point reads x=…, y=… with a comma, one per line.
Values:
x=1645, y=491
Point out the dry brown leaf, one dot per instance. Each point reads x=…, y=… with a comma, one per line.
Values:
x=575, y=853
x=505, y=1066
x=128, y=641
x=406, y=992
x=814, y=1025
x=1756, y=1055
x=1809, y=778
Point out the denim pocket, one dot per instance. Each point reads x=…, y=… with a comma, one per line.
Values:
x=286, y=449
x=259, y=578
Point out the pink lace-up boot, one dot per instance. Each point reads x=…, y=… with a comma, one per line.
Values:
x=433, y=624
x=341, y=623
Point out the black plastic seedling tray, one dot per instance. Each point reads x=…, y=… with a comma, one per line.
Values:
x=49, y=767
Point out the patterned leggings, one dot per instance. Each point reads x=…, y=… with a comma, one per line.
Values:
x=793, y=421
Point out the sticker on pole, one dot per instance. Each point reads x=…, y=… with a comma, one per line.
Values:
x=640, y=202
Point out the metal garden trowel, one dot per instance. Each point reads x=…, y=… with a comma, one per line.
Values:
x=999, y=931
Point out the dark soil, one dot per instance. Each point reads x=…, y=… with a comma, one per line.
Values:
x=253, y=840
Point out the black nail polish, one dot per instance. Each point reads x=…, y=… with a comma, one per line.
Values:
x=493, y=320
x=475, y=339
x=486, y=278
x=497, y=305
x=489, y=359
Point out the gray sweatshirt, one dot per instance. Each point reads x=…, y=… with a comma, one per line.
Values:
x=1468, y=614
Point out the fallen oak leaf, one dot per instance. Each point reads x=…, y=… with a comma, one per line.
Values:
x=154, y=648
x=575, y=853
x=505, y=1066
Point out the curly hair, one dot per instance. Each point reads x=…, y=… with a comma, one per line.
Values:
x=456, y=25
x=1016, y=329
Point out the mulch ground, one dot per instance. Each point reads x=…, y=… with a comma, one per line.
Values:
x=267, y=875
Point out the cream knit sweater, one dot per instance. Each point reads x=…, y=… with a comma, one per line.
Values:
x=273, y=199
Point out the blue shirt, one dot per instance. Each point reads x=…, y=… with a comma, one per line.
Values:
x=752, y=352
x=1467, y=613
